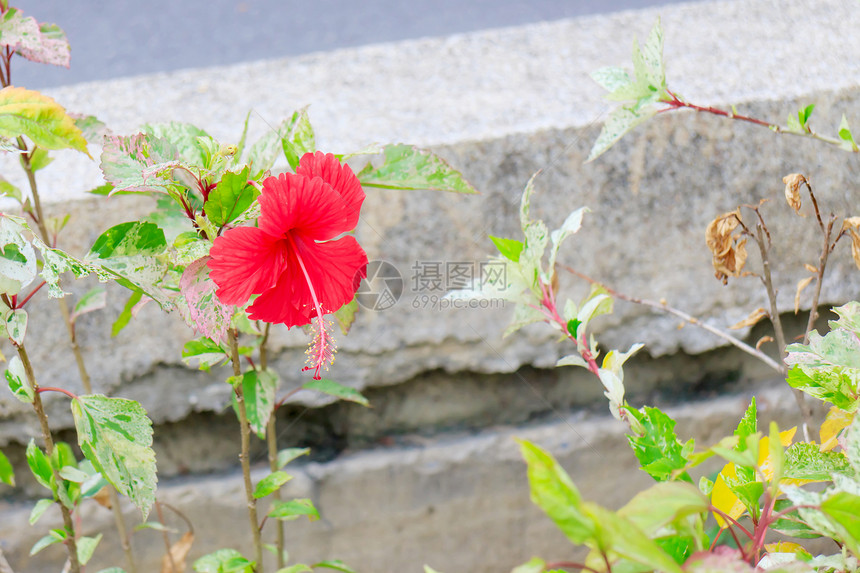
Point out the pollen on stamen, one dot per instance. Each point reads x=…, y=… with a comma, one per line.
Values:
x=322, y=348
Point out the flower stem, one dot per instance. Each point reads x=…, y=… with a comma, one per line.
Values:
x=71, y=545
x=245, y=456
x=272, y=444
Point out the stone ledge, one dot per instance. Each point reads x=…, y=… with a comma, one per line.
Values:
x=459, y=503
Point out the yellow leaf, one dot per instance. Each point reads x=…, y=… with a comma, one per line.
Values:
x=40, y=118
x=722, y=497
x=834, y=423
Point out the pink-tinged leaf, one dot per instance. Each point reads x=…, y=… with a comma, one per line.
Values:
x=52, y=47
x=40, y=118
x=138, y=162
x=18, y=32
x=206, y=314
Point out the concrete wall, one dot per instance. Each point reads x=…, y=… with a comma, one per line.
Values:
x=498, y=105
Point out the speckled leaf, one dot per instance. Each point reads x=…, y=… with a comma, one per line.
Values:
x=17, y=380
x=115, y=434
x=92, y=128
x=94, y=299
x=9, y=190
x=407, y=167
x=294, y=137
x=139, y=163
x=570, y=226
x=619, y=122
x=611, y=78
x=40, y=118
x=129, y=252
x=218, y=562
x=17, y=257
x=187, y=139
x=52, y=47
x=206, y=314
x=18, y=31
x=16, y=325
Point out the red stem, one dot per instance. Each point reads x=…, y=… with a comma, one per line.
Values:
x=676, y=103
x=29, y=296
x=52, y=389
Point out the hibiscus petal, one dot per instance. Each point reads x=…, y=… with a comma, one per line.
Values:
x=335, y=269
x=340, y=177
x=296, y=202
x=245, y=261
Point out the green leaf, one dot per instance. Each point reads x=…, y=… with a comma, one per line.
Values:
x=845, y=135
x=656, y=445
x=55, y=536
x=332, y=388
x=271, y=483
x=287, y=455
x=620, y=535
x=619, y=122
x=125, y=316
x=664, y=503
x=230, y=198
x=335, y=564
x=86, y=548
x=535, y=565
x=791, y=524
x=748, y=425
x=17, y=380
x=554, y=492
x=345, y=316
x=297, y=568
x=40, y=466
x=289, y=510
x=40, y=118
x=258, y=389
x=39, y=159
x=116, y=436
x=807, y=462
x=843, y=508
x=222, y=561
x=7, y=474
x=92, y=128
x=410, y=168
x=39, y=509
x=94, y=299
x=509, y=248
x=73, y=474
x=9, y=190
x=206, y=351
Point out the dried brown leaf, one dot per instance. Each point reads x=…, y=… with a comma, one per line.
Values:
x=753, y=318
x=103, y=497
x=178, y=553
x=802, y=284
x=851, y=226
x=762, y=341
x=792, y=190
x=729, y=252
x=810, y=268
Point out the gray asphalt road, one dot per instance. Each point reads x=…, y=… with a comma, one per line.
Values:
x=115, y=38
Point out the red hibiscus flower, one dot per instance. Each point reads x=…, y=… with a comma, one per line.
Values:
x=293, y=258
